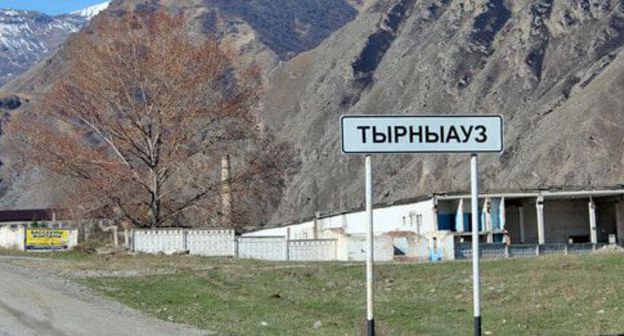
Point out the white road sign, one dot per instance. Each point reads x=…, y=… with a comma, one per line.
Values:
x=395, y=134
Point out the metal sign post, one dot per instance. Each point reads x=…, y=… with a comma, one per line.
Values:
x=370, y=319
x=474, y=202
x=403, y=134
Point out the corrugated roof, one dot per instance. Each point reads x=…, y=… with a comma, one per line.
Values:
x=26, y=215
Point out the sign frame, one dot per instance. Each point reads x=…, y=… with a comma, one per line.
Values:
x=442, y=116
x=47, y=242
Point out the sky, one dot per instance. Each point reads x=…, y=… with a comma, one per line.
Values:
x=51, y=7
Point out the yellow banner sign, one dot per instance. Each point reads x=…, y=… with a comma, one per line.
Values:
x=46, y=239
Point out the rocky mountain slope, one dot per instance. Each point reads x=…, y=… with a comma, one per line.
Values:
x=263, y=32
x=553, y=69
x=27, y=37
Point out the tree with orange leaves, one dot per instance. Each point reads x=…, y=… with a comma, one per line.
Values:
x=141, y=120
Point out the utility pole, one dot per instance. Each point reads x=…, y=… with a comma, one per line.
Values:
x=226, y=192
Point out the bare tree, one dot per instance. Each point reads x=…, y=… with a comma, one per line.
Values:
x=142, y=118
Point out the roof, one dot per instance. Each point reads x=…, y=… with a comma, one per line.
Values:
x=8, y=216
x=550, y=192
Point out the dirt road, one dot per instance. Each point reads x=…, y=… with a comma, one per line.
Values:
x=35, y=303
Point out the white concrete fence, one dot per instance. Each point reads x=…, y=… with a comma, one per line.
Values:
x=219, y=243
x=12, y=238
x=225, y=243
x=313, y=250
x=263, y=248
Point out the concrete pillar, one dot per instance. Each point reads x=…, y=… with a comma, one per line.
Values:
x=460, y=226
x=619, y=220
x=115, y=237
x=226, y=192
x=87, y=230
x=521, y=223
x=236, y=248
x=435, y=214
x=287, y=247
x=317, y=229
x=539, y=205
x=593, y=231
x=487, y=220
x=502, y=214
x=126, y=239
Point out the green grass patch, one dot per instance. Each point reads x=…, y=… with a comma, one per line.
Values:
x=542, y=296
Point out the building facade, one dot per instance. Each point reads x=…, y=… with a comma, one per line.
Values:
x=430, y=225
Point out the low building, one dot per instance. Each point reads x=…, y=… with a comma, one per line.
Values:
x=433, y=225
x=43, y=229
x=28, y=216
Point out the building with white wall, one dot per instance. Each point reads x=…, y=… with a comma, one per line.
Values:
x=417, y=217
x=528, y=217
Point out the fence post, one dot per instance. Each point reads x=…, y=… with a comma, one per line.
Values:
x=133, y=240
x=565, y=251
x=537, y=250
x=185, y=244
x=126, y=239
x=286, y=243
x=25, y=241
x=87, y=229
x=236, y=247
x=115, y=238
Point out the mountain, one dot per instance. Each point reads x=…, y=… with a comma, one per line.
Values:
x=27, y=37
x=265, y=32
x=553, y=69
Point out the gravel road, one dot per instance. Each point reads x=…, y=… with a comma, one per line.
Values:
x=36, y=303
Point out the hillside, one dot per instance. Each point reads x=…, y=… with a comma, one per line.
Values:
x=553, y=69
x=264, y=32
x=261, y=32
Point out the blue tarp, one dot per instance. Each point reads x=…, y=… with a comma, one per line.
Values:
x=447, y=222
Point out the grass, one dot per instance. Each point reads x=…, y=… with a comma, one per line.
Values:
x=574, y=295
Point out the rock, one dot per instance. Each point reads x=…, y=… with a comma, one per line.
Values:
x=107, y=250
x=10, y=103
x=317, y=325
